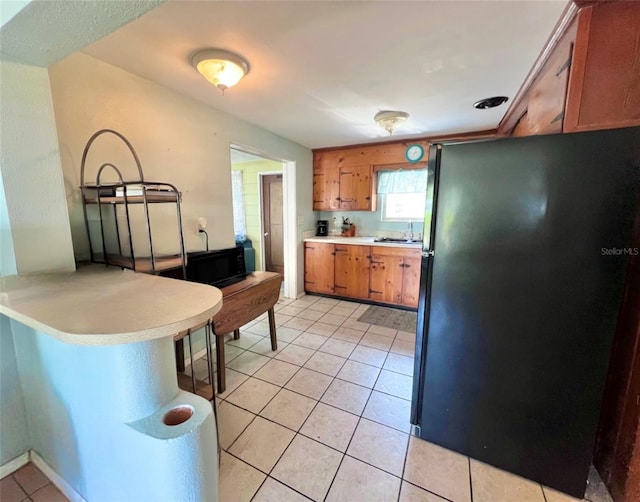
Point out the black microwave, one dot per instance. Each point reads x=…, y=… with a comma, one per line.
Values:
x=218, y=268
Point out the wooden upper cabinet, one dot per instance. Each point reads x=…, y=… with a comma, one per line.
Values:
x=352, y=271
x=343, y=188
x=604, y=86
x=319, y=267
x=344, y=179
x=587, y=77
x=545, y=112
x=326, y=189
x=356, y=188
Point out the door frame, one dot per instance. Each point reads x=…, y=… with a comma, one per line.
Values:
x=262, y=258
x=290, y=220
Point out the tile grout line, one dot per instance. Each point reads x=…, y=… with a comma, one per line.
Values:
x=470, y=479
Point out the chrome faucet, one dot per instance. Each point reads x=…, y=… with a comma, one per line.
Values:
x=410, y=230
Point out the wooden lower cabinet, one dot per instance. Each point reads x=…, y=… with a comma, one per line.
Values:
x=379, y=273
x=386, y=277
x=352, y=271
x=411, y=279
x=395, y=275
x=319, y=267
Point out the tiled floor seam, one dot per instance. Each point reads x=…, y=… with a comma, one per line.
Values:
x=426, y=489
x=470, y=479
x=544, y=495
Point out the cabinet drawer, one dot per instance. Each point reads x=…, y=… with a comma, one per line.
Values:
x=394, y=251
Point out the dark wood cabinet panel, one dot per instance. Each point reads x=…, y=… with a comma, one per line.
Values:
x=545, y=112
x=604, y=87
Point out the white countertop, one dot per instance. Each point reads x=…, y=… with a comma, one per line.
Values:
x=363, y=241
x=99, y=305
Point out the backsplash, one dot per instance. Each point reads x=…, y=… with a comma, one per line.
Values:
x=369, y=224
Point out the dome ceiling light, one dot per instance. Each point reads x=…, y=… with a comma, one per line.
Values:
x=390, y=120
x=222, y=68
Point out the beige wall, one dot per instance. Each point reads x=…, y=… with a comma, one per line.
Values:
x=178, y=140
x=251, y=187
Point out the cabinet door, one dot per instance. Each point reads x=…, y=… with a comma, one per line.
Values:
x=604, y=87
x=548, y=93
x=411, y=282
x=356, y=188
x=326, y=188
x=319, y=203
x=319, y=267
x=386, y=278
x=352, y=271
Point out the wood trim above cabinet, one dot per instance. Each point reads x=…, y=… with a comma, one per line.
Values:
x=386, y=153
x=520, y=102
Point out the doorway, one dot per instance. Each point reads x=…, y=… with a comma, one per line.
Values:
x=272, y=222
x=248, y=167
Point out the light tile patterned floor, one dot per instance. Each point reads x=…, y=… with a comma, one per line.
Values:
x=326, y=418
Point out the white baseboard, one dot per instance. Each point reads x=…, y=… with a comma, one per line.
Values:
x=55, y=478
x=13, y=465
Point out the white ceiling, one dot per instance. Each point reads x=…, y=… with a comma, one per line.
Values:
x=320, y=70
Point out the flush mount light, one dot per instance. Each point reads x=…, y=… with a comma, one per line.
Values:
x=222, y=68
x=486, y=103
x=390, y=120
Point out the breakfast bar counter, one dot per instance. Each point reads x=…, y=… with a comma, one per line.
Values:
x=99, y=305
x=94, y=356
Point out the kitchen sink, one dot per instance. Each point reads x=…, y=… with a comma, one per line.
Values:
x=390, y=239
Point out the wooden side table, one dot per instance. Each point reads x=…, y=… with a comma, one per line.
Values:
x=241, y=303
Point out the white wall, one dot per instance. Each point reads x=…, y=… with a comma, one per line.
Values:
x=7, y=256
x=34, y=223
x=14, y=440
x=178, y=140
x=31, y=172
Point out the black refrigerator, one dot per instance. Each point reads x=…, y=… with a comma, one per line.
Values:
x=524, y=259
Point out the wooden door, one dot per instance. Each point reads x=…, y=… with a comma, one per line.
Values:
x=386, y=278
x=272, y=223
x=331, y=188
x=352, y=271
x=411, y=282
x=355, y=188
x=319, y=267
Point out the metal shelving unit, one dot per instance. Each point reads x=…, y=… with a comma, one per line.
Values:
x=123, y=199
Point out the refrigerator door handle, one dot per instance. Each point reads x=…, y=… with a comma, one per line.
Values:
x=428, y=254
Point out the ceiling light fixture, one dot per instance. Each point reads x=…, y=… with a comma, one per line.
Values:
x=390, y=120
x=222, y=68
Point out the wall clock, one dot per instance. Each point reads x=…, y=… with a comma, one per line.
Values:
x=414, y=153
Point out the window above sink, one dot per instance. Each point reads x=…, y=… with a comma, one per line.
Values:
x=402, y=194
